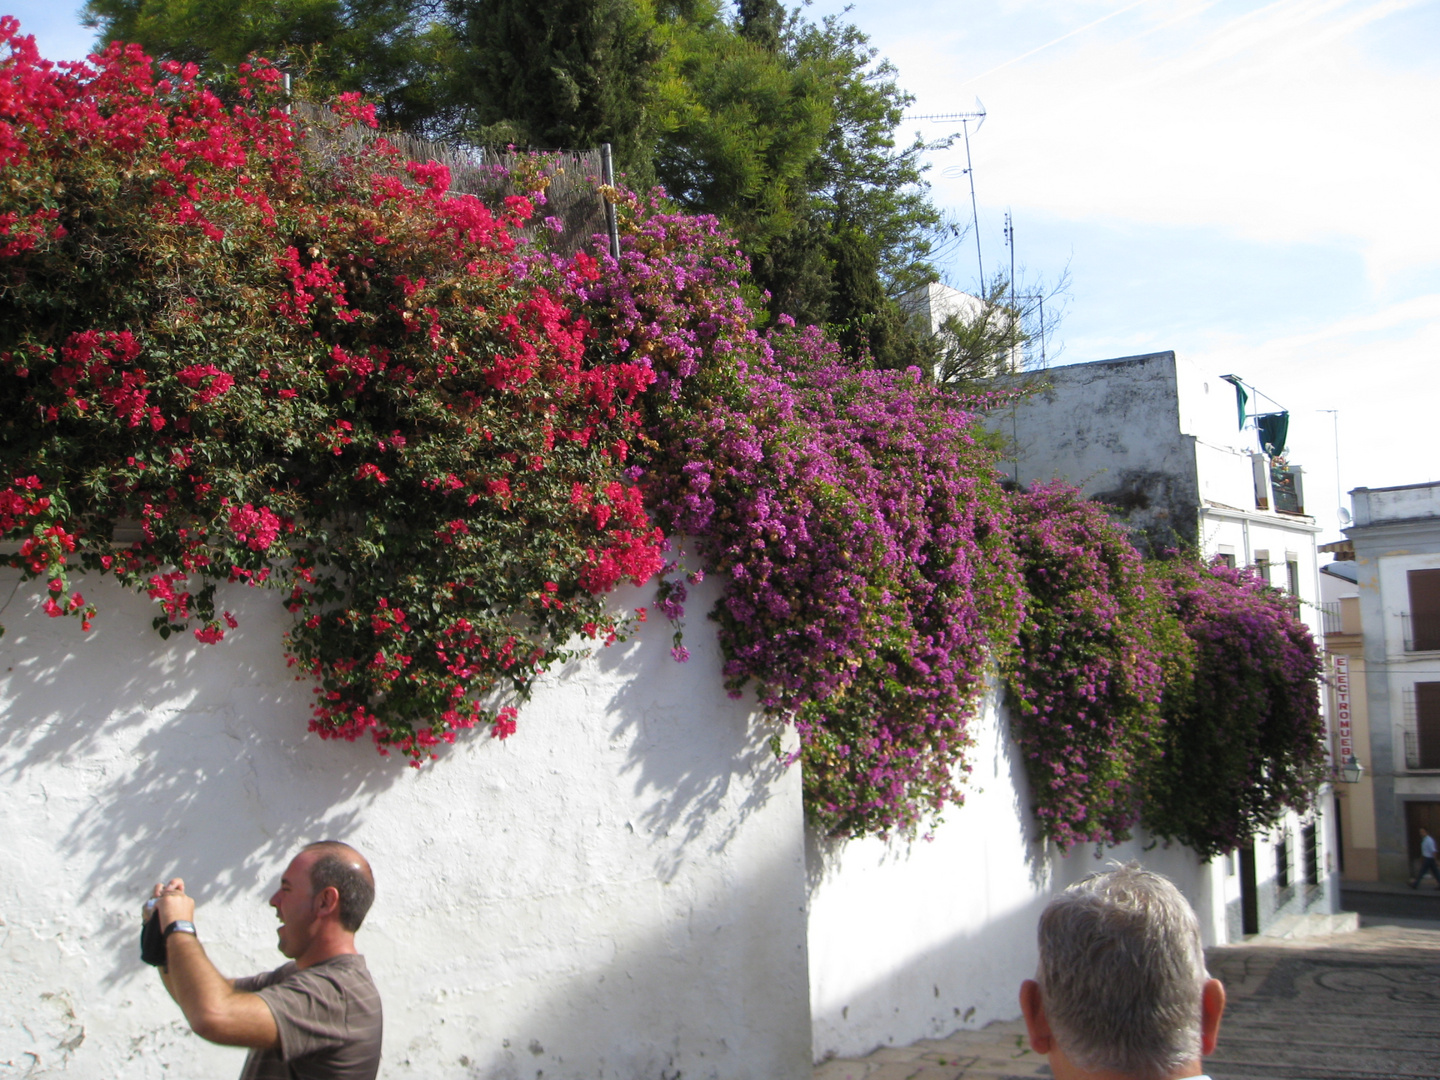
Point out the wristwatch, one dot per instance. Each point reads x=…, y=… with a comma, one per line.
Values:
x=180, y=926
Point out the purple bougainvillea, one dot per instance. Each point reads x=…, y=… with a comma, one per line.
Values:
x=870, y=583
x=1245, y=738
x=1091, y=674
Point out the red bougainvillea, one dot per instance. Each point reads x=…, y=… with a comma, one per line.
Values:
x=234, y=349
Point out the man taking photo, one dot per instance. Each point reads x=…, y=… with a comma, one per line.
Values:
x=1122, y=992
x=314, y=1018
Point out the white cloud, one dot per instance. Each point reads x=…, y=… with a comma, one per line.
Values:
x=1273, y=125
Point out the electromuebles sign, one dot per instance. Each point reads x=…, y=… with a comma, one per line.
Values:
x=1343, y=735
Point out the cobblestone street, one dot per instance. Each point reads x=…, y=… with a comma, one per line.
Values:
x=1358, y=1006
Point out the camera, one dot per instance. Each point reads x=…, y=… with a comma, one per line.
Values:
x=152, y=941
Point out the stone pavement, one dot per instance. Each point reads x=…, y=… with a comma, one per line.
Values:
x=1363, y=1005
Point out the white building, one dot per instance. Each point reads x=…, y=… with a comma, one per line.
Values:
x=1395, y=540
x=1162, y=445
x=933, y=304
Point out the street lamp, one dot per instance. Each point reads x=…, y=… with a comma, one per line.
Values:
x=1352, y=770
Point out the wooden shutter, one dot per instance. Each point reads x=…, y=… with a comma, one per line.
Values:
x=1427, y=723
x=1424, y=609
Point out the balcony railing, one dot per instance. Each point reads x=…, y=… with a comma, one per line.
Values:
x=1289, y=494
x=1278, y=486
x=1421, y=635
x=1422, y=741
x=1330, y=621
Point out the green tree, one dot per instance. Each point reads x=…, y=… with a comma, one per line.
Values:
x=982, y=343
x=560, y=74
x=742, y=128
x=399, y=52
x=782, y=127
x=785, y=129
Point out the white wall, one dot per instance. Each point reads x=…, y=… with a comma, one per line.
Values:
x=1376, y=506
x=915, y=940
x=615, y=892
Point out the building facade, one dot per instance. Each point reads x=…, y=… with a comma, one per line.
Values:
x=1346, y=689
x=1396, y=544
x=1172, y=454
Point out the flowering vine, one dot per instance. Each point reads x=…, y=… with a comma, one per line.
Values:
x=1099, y=647
x=324, y=375
x=1245, y=739
x=855, y=516
x=278, y=357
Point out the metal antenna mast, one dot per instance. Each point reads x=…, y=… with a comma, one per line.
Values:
x=1010, y=243
x=965, y=118
x=1039, y=297
x=1340, y=511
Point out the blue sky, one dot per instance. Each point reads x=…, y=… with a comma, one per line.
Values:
x=1249, y=183
x=1252, y=184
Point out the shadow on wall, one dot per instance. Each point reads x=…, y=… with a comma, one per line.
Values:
x=995, y=769
x=731, y=1003
x=690, y=783
x=195, y=757
x=969, y=980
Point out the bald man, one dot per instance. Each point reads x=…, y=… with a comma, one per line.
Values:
x=314, y=1018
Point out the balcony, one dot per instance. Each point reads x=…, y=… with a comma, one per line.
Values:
x=1278, y=485
x=1286, y=486
x=1421, y=731
x=1420, y=634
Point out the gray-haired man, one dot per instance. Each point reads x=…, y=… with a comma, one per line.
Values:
x=1122, y=992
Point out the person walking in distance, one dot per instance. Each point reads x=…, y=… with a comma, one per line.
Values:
x=316, y=1017
x=1121, y=992
x=1427, y=859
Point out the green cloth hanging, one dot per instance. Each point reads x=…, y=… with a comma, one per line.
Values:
x=1241, y=397
x=1272, y=429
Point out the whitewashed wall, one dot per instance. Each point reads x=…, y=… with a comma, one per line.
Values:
x=915, y=940
x=617, y=892
x=623, y=890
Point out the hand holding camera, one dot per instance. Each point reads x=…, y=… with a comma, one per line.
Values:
x=168, y=911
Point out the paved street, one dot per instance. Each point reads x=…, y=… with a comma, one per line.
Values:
x=1357, y=1006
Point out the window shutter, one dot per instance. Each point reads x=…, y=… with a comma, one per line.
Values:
x=1427, y=723
x=1424, y=609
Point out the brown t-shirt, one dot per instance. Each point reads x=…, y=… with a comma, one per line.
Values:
x=329, y=1021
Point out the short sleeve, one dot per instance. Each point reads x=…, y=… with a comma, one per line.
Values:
x=251, y=984
x=311, y=1013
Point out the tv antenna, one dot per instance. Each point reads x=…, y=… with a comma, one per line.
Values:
x=966, y=119
x=1341, y=512
x=1039, y=298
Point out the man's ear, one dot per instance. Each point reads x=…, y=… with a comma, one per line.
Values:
x=1212, y=1006
x=1033, y=1008
x=327, y=901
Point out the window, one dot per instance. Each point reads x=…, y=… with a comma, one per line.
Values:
x=1262, y=564
x=1310, y=852
x=1292, y=573
x=1227, y=558
x=1424, y=610
x=1282, y=860
x=1427, y=725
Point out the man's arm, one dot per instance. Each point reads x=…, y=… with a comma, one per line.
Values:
x=215, y=1010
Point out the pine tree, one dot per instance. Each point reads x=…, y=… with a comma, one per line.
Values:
x=560, y=74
